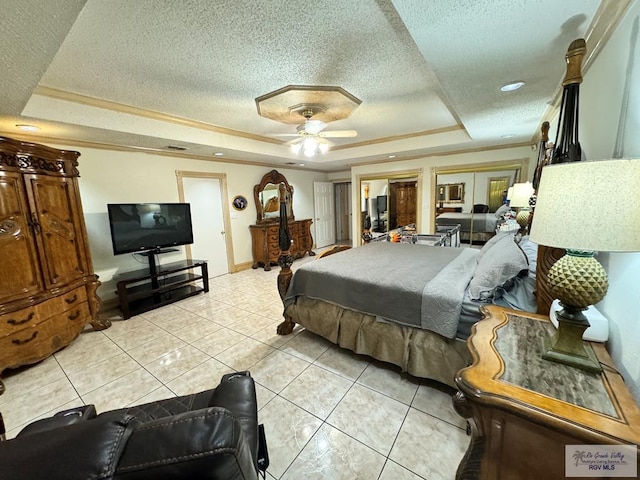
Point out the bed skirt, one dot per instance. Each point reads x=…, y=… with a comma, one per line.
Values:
x=421, y=353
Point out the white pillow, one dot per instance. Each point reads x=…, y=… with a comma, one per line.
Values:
x=498, y=266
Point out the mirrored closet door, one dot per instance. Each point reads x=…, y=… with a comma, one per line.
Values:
x=390, y=201
x=469, y=196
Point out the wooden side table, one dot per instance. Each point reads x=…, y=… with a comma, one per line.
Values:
x=523, y=410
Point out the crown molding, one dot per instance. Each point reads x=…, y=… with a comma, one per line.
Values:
x=141, y=112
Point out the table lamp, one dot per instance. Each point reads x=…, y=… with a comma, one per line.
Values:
x=509, y=193
x=519, y=198
x=584, y=207
x=442, y=196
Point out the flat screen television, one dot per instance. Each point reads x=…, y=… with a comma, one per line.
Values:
x=141, y=227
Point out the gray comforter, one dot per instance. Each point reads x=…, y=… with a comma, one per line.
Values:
x=416, y=285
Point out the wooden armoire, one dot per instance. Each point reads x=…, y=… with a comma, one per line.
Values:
x=403, y=197
x=47, y=287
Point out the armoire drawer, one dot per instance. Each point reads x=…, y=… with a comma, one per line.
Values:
x=39, y=341
x=68, y=300
x=19, y=320
x=27, y=317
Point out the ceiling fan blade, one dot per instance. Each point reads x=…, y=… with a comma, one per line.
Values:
x=312, y=127
x=339, y=133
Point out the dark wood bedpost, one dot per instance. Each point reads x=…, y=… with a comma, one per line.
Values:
x=566, y=149
x=285, y=260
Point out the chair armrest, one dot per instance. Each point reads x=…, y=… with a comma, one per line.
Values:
x=79, y=451
x=201, y=444
x=237, y=393
x=60, y=419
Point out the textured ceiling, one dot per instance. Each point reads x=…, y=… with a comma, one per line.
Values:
x=148, y=74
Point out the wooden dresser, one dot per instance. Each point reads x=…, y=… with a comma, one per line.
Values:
x=524, y=410
x=48, y=288
x=264, y=240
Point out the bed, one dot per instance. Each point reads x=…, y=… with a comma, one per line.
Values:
x=407, y=304
x=483, y=225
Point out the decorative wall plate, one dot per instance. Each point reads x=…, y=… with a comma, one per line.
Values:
x=239, y=202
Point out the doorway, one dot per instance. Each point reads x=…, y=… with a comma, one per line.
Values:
x=497, y=191
x=207, y=193
x=343, y=213
x=325, y=221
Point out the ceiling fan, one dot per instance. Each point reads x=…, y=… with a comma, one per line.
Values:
x=312, y=137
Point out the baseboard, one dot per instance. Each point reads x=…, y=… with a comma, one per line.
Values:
x=109, y=304
x=241, y=266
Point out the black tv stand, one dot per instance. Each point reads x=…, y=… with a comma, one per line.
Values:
x=157, y=251
x=151, y=255
x=146, y=289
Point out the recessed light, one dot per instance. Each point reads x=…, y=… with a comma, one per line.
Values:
x=510, y=87
x=391, y=156
x=301, y=164
x=509, y=135
x=27, y=128
x=218, y=154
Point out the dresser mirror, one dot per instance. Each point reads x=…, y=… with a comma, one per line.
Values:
x=267, y=197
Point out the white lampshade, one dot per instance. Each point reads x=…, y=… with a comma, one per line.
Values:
x=509, y=192
x=520, y=195
x=589, y=205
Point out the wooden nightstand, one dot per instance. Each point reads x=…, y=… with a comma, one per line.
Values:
x=523, y=410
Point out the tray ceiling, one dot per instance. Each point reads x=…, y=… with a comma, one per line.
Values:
x=149, y=74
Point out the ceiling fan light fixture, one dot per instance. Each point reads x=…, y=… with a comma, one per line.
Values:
x=310, y=143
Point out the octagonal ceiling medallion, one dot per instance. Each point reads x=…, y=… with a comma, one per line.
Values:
x=290, y=104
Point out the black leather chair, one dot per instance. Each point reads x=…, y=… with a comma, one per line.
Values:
x=208, y=435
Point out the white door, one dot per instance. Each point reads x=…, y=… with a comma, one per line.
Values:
x=325, y=221
x=209, y=243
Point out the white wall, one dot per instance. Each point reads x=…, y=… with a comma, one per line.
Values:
x=610, y=122
x=108, y=176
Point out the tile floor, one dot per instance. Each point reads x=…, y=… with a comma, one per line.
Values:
x=328, y=413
